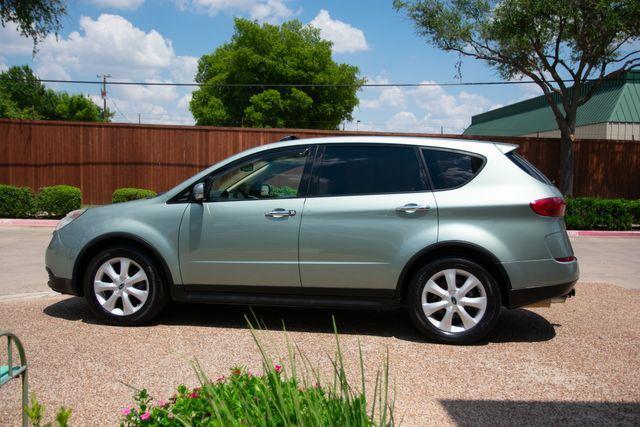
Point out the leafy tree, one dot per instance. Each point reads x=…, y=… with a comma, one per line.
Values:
x=567, y=47
x=274, y=56
x=35, y=18
x=23, y=96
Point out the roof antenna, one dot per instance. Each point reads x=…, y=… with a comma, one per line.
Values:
x=288, y=138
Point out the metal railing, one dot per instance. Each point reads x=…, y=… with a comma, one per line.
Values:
x=11, y=371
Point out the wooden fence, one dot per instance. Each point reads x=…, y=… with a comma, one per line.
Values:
x=100, y=157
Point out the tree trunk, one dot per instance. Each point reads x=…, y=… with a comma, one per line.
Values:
x=566, y=163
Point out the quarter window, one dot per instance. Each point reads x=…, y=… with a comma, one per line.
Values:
x=451, y=169
x=355, y=170
x=274, y=176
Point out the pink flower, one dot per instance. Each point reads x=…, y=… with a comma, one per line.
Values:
x=125, y=411
x=220, y=379
x=145, y=416
x=194, y=395
x=278, y=369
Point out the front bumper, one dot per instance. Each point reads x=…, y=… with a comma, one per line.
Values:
x=59, y=284
x=521, y=297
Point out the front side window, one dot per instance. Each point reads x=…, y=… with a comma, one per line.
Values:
x=358, y=170
x=451, y=169
x=274, y=176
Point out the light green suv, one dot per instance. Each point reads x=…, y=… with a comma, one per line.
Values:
x=453, y=230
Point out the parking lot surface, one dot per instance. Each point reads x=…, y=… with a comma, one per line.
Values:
x=574, y=363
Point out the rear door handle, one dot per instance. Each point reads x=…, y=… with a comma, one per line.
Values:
x=280, y=213
x=412, y=208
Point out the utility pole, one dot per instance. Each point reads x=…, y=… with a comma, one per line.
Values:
x=103, y=93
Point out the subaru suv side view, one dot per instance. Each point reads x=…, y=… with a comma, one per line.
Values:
x=453, y=230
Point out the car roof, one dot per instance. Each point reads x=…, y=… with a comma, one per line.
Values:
x=471, y=145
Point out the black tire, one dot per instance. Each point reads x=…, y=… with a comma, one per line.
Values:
x=473, y=334
x=155, y=283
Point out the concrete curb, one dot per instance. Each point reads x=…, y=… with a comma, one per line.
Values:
x=602, y=233
x=15, y=222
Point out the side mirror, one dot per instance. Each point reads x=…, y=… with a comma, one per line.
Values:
x=197, y=194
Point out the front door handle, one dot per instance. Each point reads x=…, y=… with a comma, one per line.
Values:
x=280, y=213
x=412, y=208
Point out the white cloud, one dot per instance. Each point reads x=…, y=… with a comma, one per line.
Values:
x=110, y=44
x=12, y=42
x=261, y=10
x=184, y=68
x=447, y=110
x=185, y=100
x=118, y=4
x=345, y=38
x=391, y=96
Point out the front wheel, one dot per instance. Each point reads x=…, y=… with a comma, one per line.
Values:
x=454, y=301
x=124, y=287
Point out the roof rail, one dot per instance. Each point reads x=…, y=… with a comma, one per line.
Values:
x=288, y=138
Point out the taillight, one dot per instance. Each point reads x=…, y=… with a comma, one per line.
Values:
x=566, y=259
x=551, y=206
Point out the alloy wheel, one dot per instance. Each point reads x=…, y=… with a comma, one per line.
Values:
x=121, y=286
x=454, y=300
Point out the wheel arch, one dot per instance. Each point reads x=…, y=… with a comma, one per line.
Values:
x=114, y=239
x=460, y=249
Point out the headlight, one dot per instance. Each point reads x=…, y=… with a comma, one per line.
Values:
x=69, y=218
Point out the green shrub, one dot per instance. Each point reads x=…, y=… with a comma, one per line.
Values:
x=280, y=396
x=126, y=194
x=585, y=213
x=16, y=202
x=634, y=209
x=58, y=200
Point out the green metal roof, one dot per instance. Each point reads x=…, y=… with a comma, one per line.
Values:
x=616, y=101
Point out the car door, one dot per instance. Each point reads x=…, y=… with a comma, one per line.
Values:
x=368, y=211
x=245, y=233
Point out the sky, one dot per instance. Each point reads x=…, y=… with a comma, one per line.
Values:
x=161, y=41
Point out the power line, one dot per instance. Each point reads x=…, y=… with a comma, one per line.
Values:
x=121, y=113
x=262, y=85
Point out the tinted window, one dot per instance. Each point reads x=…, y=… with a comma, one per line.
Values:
x=531, y=170
x=274, y=176
x=451, y=169
x=368, y=170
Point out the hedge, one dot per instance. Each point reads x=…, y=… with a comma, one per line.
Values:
x=58, y=200
x=586, y=213
x=127, y=194
x=16, y=202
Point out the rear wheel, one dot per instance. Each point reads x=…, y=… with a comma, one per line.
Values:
x=454, y=300
x=124, y=287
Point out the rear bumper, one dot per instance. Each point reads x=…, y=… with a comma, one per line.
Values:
x=59, y=284
x=527, y=296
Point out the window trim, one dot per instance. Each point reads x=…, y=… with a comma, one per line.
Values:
x=304, y=180
x=453, y=150
x=313, y=184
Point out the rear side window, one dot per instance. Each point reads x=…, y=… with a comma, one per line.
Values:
x=531, y=170
x=355, y=170
x=451, y=169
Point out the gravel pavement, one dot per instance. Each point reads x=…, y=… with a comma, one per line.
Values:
x=574, y=363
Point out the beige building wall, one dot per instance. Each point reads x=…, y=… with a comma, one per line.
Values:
x=628, y=131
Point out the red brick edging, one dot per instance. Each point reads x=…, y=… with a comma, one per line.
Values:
x=29, y=222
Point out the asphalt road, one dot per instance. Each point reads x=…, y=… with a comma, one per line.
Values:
x=604, y=260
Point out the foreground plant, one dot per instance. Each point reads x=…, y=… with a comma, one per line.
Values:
x=35, y=413
x=279, y=396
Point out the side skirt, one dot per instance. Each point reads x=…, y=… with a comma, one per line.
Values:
x=366, y=299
